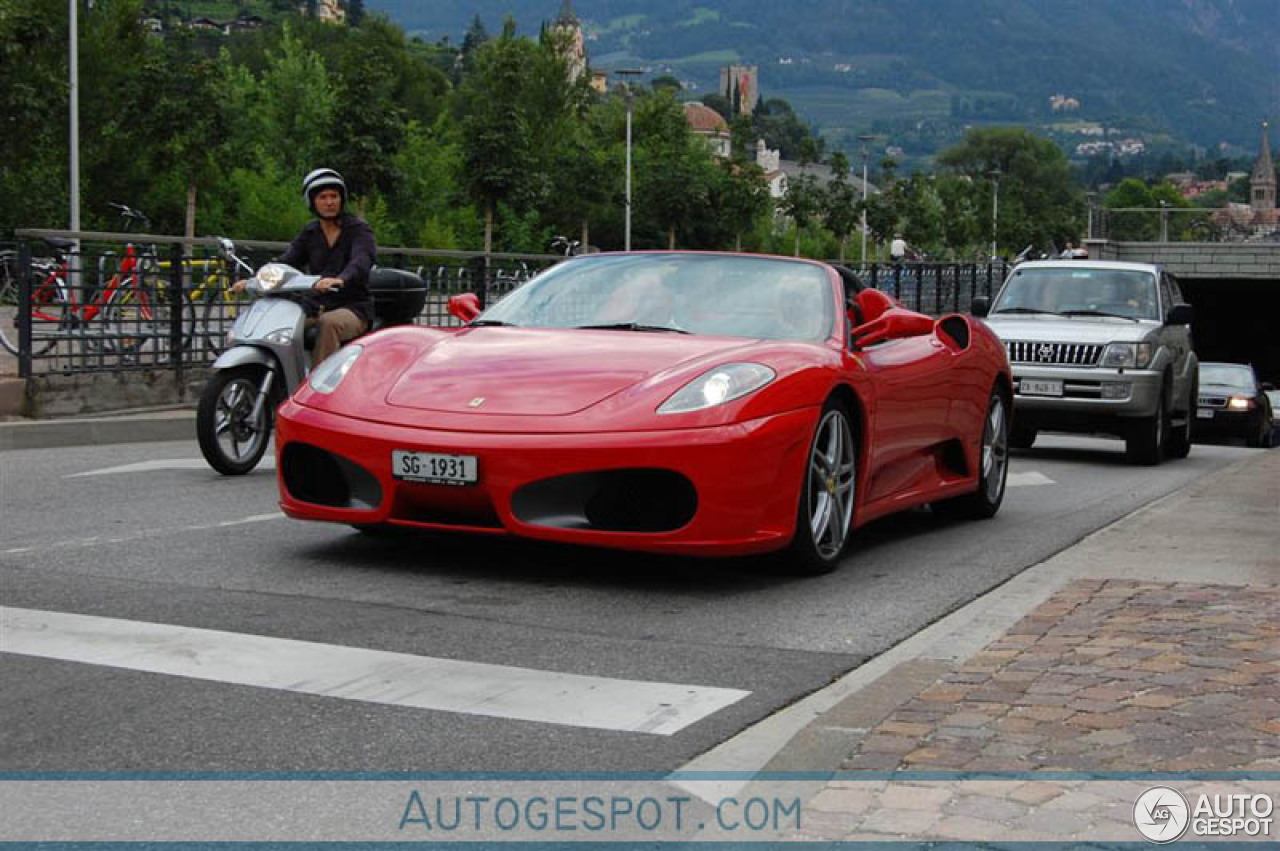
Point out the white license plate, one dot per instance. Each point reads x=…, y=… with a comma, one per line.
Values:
x=435, y=468
x=1204, y=413
x=1039, y=387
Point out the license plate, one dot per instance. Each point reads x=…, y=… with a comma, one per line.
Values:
x=1204, y=413
x=1039, y=387
x=434, y=468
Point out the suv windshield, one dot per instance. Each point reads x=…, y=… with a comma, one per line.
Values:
x=1079, y=292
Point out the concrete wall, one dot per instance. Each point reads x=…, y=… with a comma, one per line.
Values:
x=1215, y=260
x=59, y=395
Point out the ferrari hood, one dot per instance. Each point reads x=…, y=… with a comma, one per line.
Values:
x=543, y=372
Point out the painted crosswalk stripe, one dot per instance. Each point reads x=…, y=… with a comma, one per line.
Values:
x=155, y=464
x=1026, y=480
x=353, y=673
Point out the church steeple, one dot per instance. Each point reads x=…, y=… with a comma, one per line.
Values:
x=1262, y=180
x=567, y=18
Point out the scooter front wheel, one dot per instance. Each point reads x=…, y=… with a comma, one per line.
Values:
x=232, y=439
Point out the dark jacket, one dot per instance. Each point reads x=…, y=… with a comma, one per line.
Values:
x=350, y=259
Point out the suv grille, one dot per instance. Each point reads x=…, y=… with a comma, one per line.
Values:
x=1067, y=354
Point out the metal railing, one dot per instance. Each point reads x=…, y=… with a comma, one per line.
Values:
x=131, y=302
x=1177, y=224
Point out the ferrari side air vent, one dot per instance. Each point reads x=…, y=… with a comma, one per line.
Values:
x=314, y=475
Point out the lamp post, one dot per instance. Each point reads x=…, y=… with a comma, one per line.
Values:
x=994, y=174
x=624, y=73
x=74, y=140
x=864, y=140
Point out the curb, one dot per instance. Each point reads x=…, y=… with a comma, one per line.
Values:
x=98, y=431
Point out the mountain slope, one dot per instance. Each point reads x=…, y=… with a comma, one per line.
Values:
x=1204, y=71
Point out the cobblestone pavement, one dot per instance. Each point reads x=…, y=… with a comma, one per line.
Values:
x=1107, y=675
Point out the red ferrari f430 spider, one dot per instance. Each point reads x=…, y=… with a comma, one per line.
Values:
x=682, y=402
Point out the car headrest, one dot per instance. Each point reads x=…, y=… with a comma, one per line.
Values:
x=872, y=304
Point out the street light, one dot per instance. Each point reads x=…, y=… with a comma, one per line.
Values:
x=994, y=174
x=624, y=73
x=864, y=140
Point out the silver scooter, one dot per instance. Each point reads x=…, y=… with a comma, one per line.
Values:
x=266, y=359
x=270, y=354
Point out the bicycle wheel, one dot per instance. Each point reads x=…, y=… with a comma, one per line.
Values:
x=218, y=314
x=139, y=316
x=50, y=318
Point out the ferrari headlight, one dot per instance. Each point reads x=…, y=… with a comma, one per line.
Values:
x=1126, y=355
x=717, y=386
x=326, y=377
x=272, y=276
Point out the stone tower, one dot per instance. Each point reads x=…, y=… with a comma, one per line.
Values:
x=1262, y=180
x=568, y=26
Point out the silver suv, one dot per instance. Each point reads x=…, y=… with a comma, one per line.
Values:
x=1098, y=346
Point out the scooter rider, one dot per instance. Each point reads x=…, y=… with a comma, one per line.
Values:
x=339, y=247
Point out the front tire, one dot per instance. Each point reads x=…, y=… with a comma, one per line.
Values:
x=1178, y=442
x=231, y=439
x=1021, y=437
x=1144, y=443
x=994, y=473
x=824, y=517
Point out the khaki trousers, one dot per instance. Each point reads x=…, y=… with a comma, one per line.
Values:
x=336, y=327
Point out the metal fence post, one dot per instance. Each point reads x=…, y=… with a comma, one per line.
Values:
x=24, y=309
x=937, y=289
x=175, y=309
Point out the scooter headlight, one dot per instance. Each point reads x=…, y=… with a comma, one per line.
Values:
x=272, y=276
x=326, y=377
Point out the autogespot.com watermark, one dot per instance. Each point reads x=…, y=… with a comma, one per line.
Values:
x=450, y=815
x=1163, y=814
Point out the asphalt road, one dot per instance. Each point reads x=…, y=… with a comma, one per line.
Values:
x=144, y=533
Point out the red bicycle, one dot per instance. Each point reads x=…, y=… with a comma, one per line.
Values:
x=130, y=308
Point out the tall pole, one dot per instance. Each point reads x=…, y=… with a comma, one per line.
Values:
x=627, y=239
x=994, y=174
x=624, y=73
x=74, y=142
x=75, y=117
x=864, y=140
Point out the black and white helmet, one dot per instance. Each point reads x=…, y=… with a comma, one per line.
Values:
x=322, y=178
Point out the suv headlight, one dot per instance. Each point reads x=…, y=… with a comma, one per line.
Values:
x=326, y=377
x=717, y=386
x=1126, y=355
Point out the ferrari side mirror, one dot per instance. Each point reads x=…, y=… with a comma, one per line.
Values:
x=465, y=306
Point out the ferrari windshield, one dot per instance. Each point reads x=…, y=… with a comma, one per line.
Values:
x=1079, y=291
x=720, y=295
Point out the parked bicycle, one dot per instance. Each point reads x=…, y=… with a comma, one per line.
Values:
x=130, y=308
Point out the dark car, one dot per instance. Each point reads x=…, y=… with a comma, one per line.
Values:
x=1232, y=403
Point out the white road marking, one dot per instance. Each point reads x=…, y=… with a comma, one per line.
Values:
x=1026, y=480
x=145, y=533
x=268, y=462
x=353, y=673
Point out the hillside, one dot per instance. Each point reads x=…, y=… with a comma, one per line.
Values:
x=1161, y=71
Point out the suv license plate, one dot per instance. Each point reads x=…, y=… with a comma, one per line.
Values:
x=1204, y=413
x=434, y=468
x=1039, y=387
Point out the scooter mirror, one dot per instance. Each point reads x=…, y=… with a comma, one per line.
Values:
x=226, y=246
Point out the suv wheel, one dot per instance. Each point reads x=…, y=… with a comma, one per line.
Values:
x=1021, y=437
x=1144, y=442
x=1178, y=442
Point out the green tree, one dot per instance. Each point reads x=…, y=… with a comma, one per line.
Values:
x=673, y=169
x=497, y=151
x=841, y=214
x=740, y=198
x=1040, y=203
x=33, y=114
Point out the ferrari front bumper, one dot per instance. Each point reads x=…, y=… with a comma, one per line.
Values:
x=727, y=490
